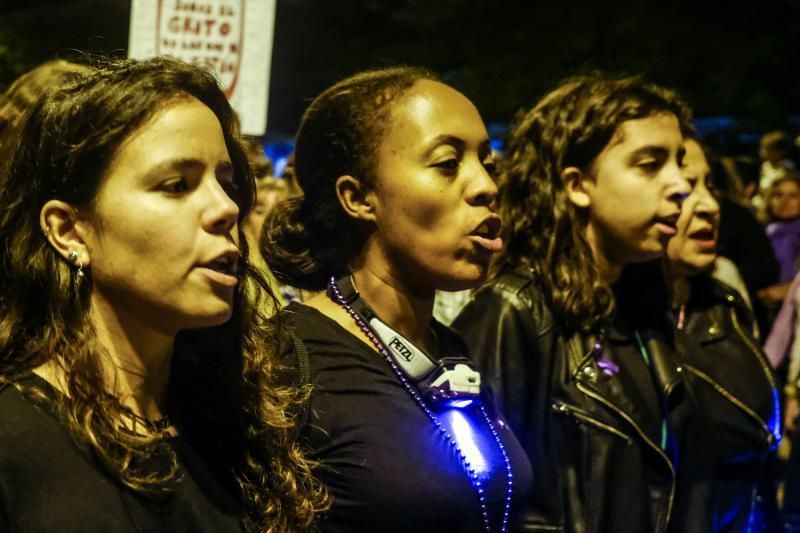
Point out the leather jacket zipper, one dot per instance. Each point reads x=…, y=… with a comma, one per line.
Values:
x=767, y=372
x=771, y=438
x=582, y=416
x=730, y=397
x=644, y=437
x=758, y=353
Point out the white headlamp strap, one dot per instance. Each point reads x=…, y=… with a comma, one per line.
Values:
x=456, y=380
x=413, y=361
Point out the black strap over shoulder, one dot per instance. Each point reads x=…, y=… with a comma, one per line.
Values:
x=348, y=290
x=304, y=370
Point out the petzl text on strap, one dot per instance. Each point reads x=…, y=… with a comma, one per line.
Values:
x=448, y=378
x=415, y=363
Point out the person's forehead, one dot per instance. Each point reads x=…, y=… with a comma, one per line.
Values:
x=431, y=110
x=695, y=158
x=648, y=127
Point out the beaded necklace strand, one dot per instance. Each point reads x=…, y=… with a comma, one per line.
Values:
x=412, y=391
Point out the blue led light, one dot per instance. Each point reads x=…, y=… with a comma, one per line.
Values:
x=467, y=438
x=460, y=404
x=459, y=425
x=775, y=422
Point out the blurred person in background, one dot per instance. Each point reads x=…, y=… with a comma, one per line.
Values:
x=742, y=238
x=783, y=207
x=776, y=152
x=740, y=175
x=22, y=95
x=783, y=350
x=269, y=192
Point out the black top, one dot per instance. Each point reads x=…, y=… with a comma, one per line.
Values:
x=386, y=465
x=47, y=483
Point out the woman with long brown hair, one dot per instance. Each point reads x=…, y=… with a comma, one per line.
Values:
x=576, y=343
x=136, y=366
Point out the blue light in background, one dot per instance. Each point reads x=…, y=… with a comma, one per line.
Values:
x=279, y=152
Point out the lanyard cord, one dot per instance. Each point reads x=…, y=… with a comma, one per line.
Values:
x=476, y=483
x=646, y=357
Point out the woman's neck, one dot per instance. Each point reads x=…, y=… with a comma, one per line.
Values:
x=609, y=268
x=407, y=311
x=135, y=360
x=681, y=291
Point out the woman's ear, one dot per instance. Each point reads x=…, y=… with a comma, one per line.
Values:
x=577, y=185
x=356, y=199
x=62, y=229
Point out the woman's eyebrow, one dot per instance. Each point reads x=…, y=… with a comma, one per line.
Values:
x=457, y=142
x=444, y=138
x=182, y=163
x=651, y=150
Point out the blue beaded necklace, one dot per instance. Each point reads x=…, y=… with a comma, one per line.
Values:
x=477, y=484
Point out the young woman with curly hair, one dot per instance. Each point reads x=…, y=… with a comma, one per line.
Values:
x=399, y=202
x=136, y=366
x=577, y=344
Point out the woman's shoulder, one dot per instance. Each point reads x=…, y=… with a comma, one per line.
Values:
x=513, y=290
x=33, y=441
x=308, y=322
x=35, y=446
x=710, y=292
x=22, y=420
x=299, y=321
x=311, y=338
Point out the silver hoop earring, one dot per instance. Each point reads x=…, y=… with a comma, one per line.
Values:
x=75, y=259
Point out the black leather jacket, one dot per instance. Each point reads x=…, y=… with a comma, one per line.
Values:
x=721, y=485
x=596, y=448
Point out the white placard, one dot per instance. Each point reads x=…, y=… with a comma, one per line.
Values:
x=232, y=37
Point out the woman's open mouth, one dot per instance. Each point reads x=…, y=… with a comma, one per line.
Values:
x=487, y=234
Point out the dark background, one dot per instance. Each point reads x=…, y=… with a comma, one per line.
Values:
x=726, y=57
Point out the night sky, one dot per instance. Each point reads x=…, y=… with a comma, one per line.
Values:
x=725, y=57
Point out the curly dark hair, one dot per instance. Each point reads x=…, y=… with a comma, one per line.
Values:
x=223, y=383
x=543, y=230
x=309, y=238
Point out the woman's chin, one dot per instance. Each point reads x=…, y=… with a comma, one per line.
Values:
x=208, y=317
x=464, y=281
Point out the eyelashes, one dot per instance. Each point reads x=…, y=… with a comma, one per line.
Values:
x=451, y=166
x=175, y=186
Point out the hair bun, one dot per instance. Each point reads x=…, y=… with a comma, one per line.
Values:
x=286, y=244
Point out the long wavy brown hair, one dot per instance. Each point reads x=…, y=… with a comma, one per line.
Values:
x=224, y=391
x=543, y=230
